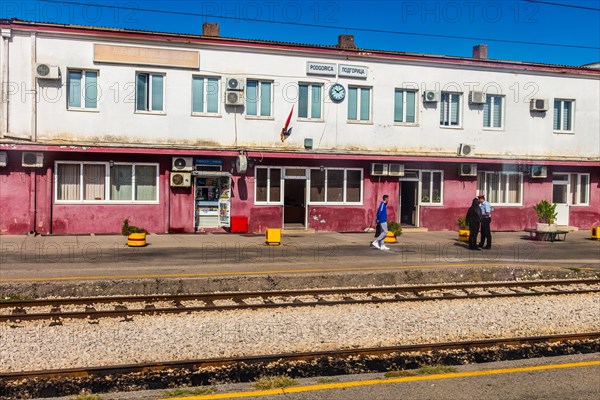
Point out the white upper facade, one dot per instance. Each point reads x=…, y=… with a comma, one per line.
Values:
x=148, y=96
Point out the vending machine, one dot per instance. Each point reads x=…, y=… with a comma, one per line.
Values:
x=212, y=199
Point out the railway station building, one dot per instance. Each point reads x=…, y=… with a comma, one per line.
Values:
x=188, y=133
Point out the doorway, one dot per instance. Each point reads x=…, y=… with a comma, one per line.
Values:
x=560, y=197
x=294, y=203
x=408, y=203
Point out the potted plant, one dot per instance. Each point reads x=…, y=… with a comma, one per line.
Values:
x=463, y=229
x=546, y=213
x=394, y=230
x=136, y=237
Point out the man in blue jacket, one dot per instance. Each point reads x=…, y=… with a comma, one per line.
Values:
x=382, y=221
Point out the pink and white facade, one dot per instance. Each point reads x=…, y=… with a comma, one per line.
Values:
x=96, y=144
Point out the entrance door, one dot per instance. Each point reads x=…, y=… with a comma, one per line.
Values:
x=560, y=197
x=408, y=202
x=294, y=198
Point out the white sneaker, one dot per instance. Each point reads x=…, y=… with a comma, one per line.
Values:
x=384, y=247
x=376, y=244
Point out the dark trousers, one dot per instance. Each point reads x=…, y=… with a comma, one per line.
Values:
x=486, y=233
x=473, y=231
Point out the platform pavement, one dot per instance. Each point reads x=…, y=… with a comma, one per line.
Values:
x=27, y=263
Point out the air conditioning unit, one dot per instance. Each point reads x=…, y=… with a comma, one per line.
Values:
x=183, y=163
x=181, y=179
x=466, y=149
x=241, y=164
x=538, y=105
x=3, y=159
x=234, y=98
x=379, y=169
x=32, y=160
x=431, y=96
x=538, y=171
x=467, y=170
x=235, y=83
x=477, y=97
x=396, y=170
x=45, y=71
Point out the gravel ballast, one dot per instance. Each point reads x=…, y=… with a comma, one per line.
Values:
x=78, y=343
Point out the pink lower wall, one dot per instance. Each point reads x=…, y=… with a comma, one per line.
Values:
x=26, y=200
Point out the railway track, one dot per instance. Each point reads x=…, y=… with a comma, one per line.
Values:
x=128, y=306
x=287, y=357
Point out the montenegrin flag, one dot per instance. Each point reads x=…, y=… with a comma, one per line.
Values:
x=285, y=132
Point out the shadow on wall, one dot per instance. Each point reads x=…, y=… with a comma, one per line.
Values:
x=242, y=188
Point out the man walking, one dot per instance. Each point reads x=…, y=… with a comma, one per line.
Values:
x=382, y=221
x=486, y=220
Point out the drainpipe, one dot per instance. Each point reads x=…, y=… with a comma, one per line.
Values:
x=6, y=35
x=34, y=88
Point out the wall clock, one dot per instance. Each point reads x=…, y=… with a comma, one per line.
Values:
x=337, y=92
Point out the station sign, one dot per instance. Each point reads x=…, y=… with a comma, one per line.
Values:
x=353, y=71
x=316, y=68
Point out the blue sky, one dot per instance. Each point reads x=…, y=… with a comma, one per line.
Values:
x=373, y=23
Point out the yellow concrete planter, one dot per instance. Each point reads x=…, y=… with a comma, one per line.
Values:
x=136, y=239
x=463, y=235
x=390, y=238
x=595, y=232
x=273, y=236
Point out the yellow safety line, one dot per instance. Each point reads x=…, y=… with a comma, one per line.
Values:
x=342, y=385
x=290, y=271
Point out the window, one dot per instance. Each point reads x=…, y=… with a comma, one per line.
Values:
x=149, y=92
x=336, y=186
x=359, y=103
x=267, y=185
x=580, y=189
x=82, y=87
x=431, y=187
x=493, y=110
x=205, y=95
x=259, y=98
x=501, y=187
x=310, y=100
x=405, y=106
x=563, y=115
x=80, y=182
x=450, y=109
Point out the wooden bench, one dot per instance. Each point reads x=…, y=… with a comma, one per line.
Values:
x=551, y=236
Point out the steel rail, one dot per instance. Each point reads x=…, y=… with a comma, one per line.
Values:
x=120, y=311
x=284, y=357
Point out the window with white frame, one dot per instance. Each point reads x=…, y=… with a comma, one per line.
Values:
x=501, y=187
x=580, y=189
x=493, y=112
x=359, y=103
x=450, y=109
x=149, y=92
x=405, y=106
x=336, y=186
x=82, y=89
x=259, y=95
x=563, y=115
x=205, y=95
x=432, y=187
x=81, y=182
x=267, y=185
x=310, y=100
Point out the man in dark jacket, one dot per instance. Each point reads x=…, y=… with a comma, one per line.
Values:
x=382, y=221
x=473, y=219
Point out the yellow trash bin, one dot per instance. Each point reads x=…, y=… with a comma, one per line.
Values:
x=595, y=232
x=136, y=240
x=390, y=238
x=273, y=236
